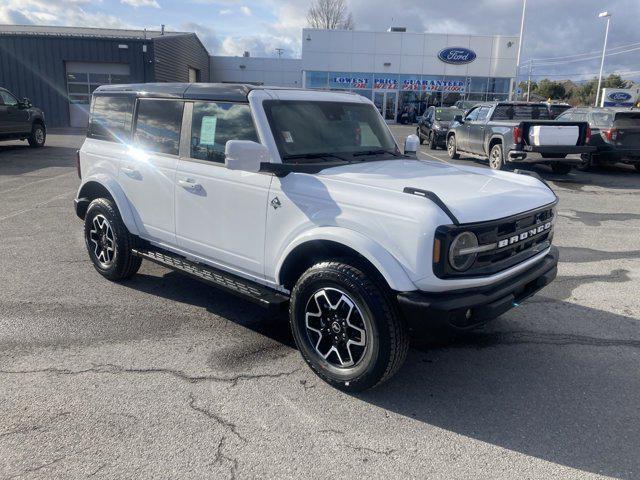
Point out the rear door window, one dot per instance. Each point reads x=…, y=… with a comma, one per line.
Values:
x=158, y=125
x=110, y=118
x=483, y=112
x=215, y=123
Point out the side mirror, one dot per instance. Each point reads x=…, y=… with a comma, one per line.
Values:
x=26, y=103
x=458, y=118
x=245, y=155
x=411, y=145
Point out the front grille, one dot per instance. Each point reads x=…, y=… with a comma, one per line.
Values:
x=516, y=239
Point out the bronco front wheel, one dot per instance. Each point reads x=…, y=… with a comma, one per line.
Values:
x=346, y=326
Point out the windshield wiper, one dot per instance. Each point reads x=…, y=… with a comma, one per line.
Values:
x=376, y=152
x=311, y=156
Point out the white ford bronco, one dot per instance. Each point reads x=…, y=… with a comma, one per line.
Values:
x=303, y=199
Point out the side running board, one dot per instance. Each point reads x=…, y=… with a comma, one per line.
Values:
x=263, y=296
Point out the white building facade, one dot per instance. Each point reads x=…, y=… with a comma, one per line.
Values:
x=401, y=72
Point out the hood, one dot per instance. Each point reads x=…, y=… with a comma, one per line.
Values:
x=472, y=194
x=443, y=123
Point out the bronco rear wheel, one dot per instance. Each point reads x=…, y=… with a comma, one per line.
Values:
x=108, y=241
x=346, y=326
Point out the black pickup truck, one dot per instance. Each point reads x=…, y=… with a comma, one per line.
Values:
x=507, y=133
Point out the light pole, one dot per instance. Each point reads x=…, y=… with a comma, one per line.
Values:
x=529, y=81
x=524, y=9
x=606, y=15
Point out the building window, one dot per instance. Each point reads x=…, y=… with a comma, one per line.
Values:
x=80, y=85
x=158, y=125
x=316, y=79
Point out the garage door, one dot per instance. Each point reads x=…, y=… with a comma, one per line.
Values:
x=82, y=79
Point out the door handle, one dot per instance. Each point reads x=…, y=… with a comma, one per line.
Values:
x=131, y=172
x=189, y=184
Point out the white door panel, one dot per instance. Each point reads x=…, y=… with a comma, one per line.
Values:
x=148, y=181
x=220, y=214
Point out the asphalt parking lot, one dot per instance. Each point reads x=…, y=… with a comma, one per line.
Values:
x=162, y=377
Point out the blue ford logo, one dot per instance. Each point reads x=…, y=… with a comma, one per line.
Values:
x=619, y=96
x=457, y=55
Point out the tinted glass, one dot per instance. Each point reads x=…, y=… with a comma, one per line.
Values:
x=305, y=127
x=627, y=119
x=110, y=117
x=482, y=114
x=473, y=114
x=521, y=112
x=579, y=117
x=158, y=125
x=558, y=109
x=8, y=99
x=446, y=114
x=213, y=124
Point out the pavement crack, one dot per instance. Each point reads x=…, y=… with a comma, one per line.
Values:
x=387, y=452
x=34, y=428
x=232, y=427
x=221, y=457
x=116, y=370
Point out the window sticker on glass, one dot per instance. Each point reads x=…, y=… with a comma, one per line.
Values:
x=286, y=135
x=208, y=130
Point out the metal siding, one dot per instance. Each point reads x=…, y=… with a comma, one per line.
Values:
x=174, y=55
x=34, y=66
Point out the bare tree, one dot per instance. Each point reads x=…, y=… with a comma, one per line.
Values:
x=330, y=15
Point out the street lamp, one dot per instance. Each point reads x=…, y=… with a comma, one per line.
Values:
x=524, y=9
x=606, y=15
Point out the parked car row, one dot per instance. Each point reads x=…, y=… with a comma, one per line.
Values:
x=508, y=133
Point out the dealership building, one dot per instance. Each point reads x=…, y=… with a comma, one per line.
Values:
x=59, y=67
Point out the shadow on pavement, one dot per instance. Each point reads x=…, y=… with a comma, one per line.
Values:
x=565, y=398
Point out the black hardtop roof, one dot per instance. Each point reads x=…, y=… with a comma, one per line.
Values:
x=230, y=92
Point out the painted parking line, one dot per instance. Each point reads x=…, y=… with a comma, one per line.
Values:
x=38, y=205
x=35, y=182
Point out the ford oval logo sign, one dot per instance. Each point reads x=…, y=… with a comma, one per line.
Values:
x=457, y=55
x=619, y=96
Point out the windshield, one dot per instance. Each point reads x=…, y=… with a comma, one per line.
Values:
x=315, y=128
x=520, y=112
x=445, y=114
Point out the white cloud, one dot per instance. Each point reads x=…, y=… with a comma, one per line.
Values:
x=225, y=11
x=141, y=3
x=245, y=10
x=57, y=12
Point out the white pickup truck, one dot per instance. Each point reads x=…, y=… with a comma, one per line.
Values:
x=303, y=199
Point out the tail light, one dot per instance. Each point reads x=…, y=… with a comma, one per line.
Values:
x=78, y=163
x=517, y=135
x=587, y=135
x=610, y=135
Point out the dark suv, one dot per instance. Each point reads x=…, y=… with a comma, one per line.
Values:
x=434, y=124
x=19, y=120
x=615, y=133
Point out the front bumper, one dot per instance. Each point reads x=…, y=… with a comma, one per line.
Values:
x=555, y=153
x=466, y=309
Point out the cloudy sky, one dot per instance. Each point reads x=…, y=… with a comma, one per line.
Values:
x=554, y=28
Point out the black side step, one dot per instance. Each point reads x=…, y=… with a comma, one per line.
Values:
x=263, y=296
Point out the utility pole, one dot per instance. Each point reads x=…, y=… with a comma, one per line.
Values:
x=606, y=15
x=529, y=81
x=524, y=9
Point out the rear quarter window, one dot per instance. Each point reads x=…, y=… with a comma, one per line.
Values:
x=110, y=118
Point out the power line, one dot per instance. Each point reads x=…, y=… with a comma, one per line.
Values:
x=588, y=53
x=586, y=58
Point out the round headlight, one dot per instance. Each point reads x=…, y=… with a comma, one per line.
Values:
x=458, y=258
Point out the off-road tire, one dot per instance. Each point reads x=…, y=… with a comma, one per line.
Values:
x=432, y=141
x=386, y=336
x=124, y=263
x=560, y=168
x=451, y=148
x=38, y=136
x=496, y=157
